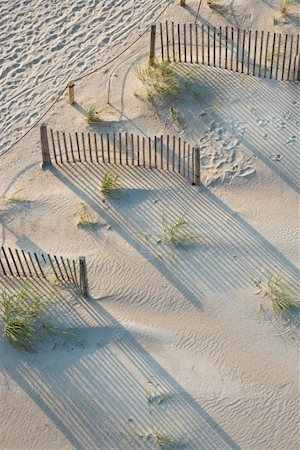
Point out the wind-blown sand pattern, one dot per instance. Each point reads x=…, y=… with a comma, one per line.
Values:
x=178, y=322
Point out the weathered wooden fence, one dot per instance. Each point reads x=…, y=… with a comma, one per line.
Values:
x=20, y=264
x=259, y=53
x=167, y=153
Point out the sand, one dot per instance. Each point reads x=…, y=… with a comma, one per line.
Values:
x=180, y=323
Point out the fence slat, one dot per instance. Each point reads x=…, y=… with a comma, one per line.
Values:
x=38, y=263
x=284, y=56
x=78, y=147
x=161, y=41
x=96, y=147
x=59, y=268
x=83, y=146
x=114, y=148
x=184, y=41
x=191, y=43
x=102, y=147
x=149, y=150
x=90, y=147
x=53, y=145
x=120, y=149
x=33, y=265
x=174, y=149
x=214, y=48
x=155, y=152
x=220, y=47
x=126, y=147
x=237, y=50
x=143, y=151
x=254, y=59
x=173, y=42
x=7, y=262
x=249, y=52
x=2, y=267
x=290, y=59
x=132, y=150
x=71, y=146
x=272, y=56
x=108, y=147
x=161, y=152
x=70, y=269
x=59, y=147
x=208, y=45
x=202, y=42
x=243, y=50
x=197, y=44
x=13, y=259
x=65, y=268
x=266, y=54
x=20, y=262
x=226, y=46
x=27, y=263
x=178, y=39
x=278, y=56
x=167, y=38
x=65, y=146
x=261, y=52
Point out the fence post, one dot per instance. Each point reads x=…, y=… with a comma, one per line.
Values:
x=196, y=174
x=297, y=68
x=152, y=45
x=71, y=92
x=182, y=2
x=83, y=279
x=45, y=146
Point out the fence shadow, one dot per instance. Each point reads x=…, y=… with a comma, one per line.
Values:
x=92, y=387
x=271, y=126
x=227, y=254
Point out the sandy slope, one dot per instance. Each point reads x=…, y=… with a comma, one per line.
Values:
x=180, y=322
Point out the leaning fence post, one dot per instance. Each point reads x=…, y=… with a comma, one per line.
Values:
x=196, y=165
x=45, y=146
x=297, y=68
x=152, y=45
x=83, y=280
x=71, y=92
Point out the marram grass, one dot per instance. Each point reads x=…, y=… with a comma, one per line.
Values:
x=109, y=182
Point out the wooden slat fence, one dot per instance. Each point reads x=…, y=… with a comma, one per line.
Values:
x=167, y=153
x=20, y=264
x=259, y=53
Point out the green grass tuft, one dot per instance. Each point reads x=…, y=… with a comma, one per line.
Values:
x=109, y=182
x=175, y=233
x=20, y=315
x=282, y=302
x=159, y=79
x=93, y=114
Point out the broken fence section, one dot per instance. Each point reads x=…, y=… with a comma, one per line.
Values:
x=20, y=264
x=259, y=53
x=167, y=153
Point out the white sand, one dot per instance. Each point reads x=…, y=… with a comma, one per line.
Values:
x=182, y=319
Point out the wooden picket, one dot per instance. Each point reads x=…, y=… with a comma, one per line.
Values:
x=251, y=52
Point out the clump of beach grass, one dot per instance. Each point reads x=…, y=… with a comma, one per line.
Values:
x=93, y=114
x=85, y=217
x=281, y=301
x=175, y=233
x=109, y=182
x=20, y=316
x=159, y=79
x=285, y=8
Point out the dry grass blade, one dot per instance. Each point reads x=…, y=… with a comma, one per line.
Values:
x=159, y=79
x=85, y=217
x=285, y=7
x=174, y=232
